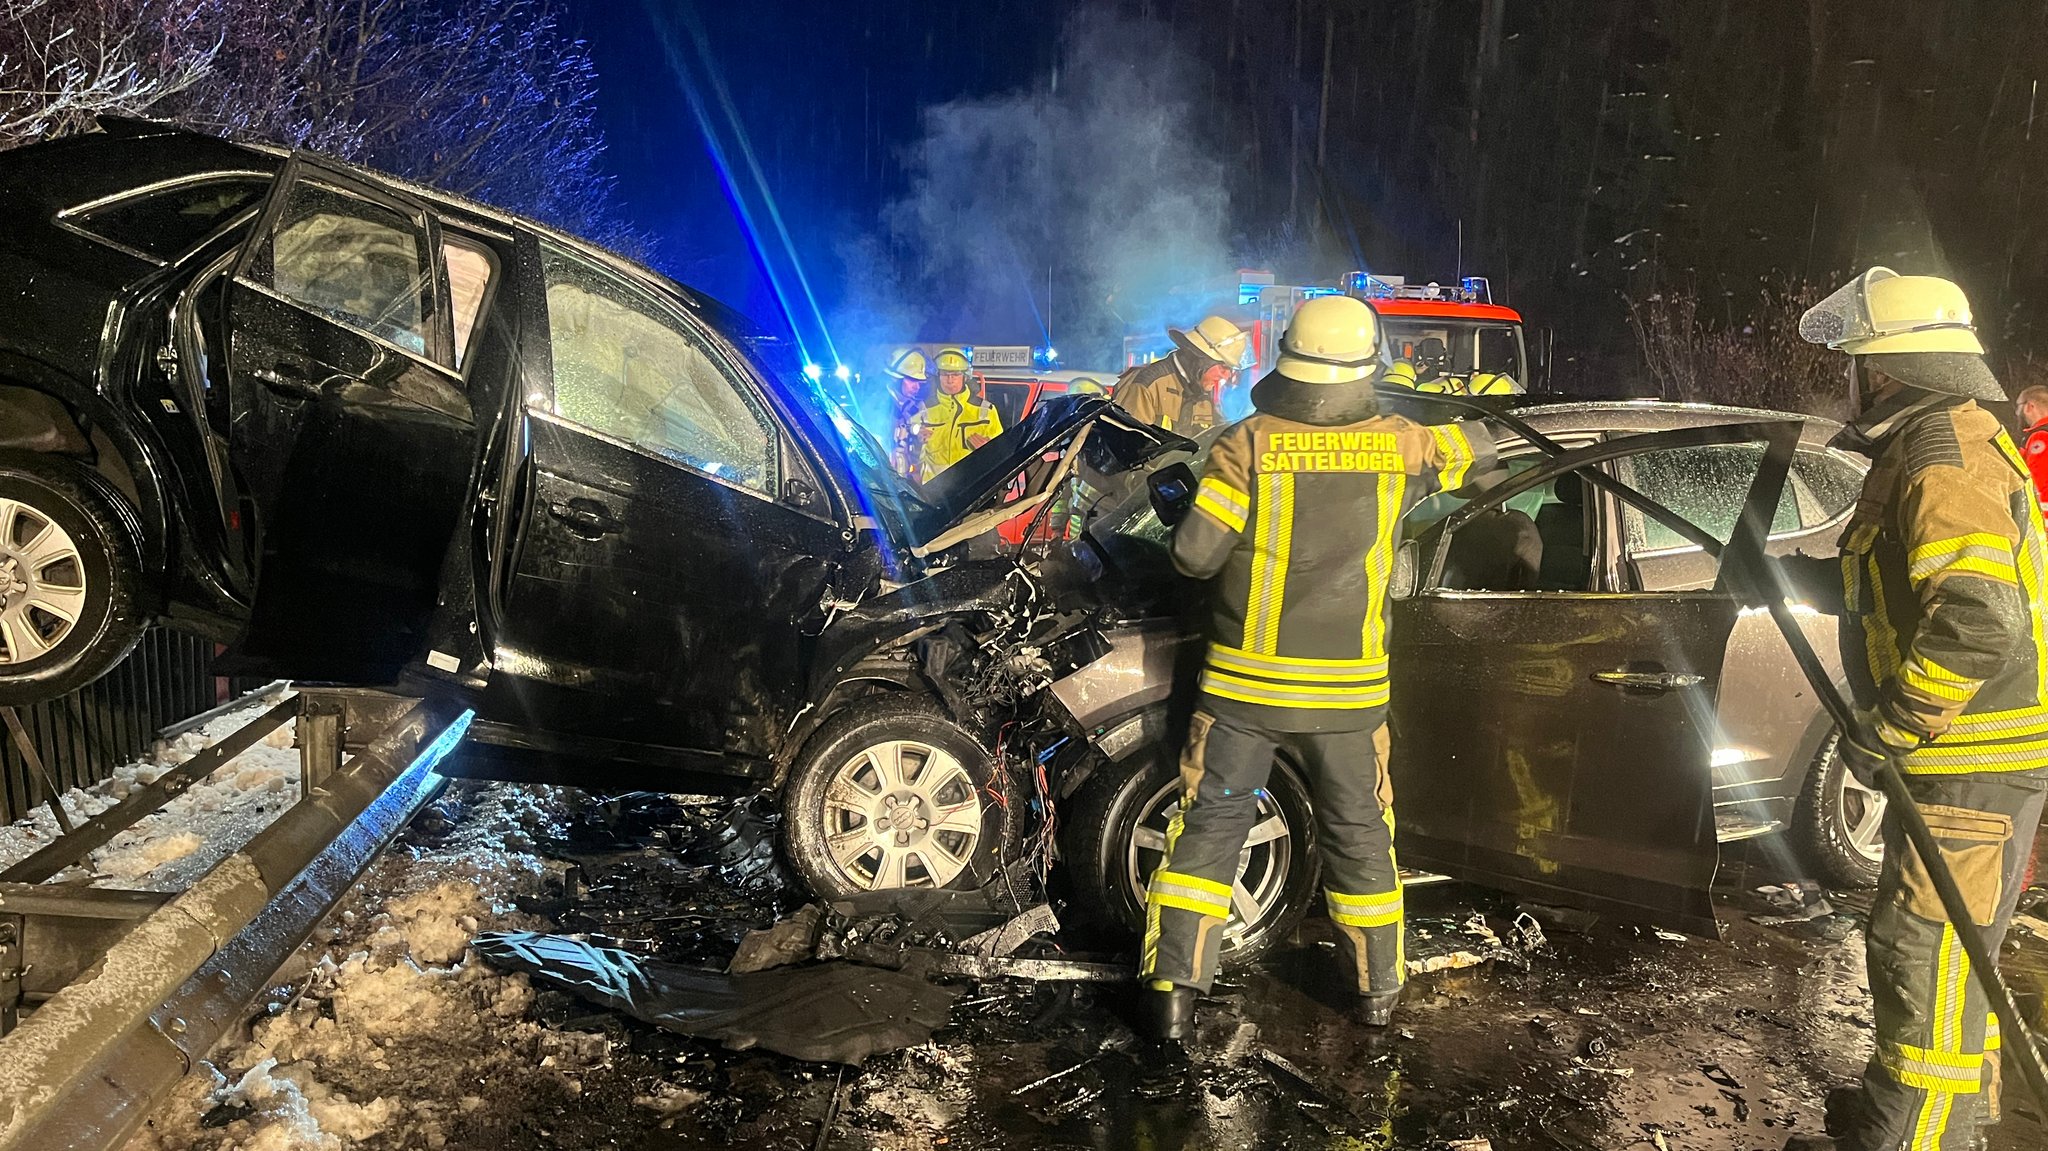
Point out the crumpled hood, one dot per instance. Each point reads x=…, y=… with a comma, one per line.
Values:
x=1117, y=442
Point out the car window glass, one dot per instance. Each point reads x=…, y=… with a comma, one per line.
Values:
x=358, y=263
x=1705, y=484
x=469, y=281
x=1534, y=541
x=1828, y=486
x=626, y=367
x=168, y=222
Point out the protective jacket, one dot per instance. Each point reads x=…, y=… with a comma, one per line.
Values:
x=1478, y=384
x=1944, y=586
x=1159, y=394
x=2036, y=451
x=947, y=428
x=1285, y=510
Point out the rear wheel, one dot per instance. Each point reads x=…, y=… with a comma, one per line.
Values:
x=890, y=794
x=1838, y=823
x=70, y=580
x=1114, y=835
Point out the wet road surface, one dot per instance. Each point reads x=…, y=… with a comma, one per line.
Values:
x=1607, y=1037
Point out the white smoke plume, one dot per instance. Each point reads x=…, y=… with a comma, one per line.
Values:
x=1103, y=173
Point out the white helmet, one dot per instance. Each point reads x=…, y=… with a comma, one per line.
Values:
x=1219, y=340
x=1880, y=312
x=1331, y=340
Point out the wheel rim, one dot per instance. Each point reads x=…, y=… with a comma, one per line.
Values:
x=902, y=814
x=1862, y=816
x=42, y=583
x=1262, y=867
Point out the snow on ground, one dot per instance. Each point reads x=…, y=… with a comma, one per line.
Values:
x=169, y=850
x=385, y=1032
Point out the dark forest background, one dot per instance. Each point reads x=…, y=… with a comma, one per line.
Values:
x=1660, y=185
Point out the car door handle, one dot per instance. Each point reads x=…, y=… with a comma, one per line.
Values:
x=584, y=516
x=287, y=378
x=1649, y=680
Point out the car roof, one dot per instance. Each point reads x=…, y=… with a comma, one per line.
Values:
x=1661, y=415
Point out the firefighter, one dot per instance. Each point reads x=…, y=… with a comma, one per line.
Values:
x=1180, y=392
x=2032, y=406
x=954, y=421
x=910, y=372
x=1940, y=584
x=1430, y=371
x=1297, y=500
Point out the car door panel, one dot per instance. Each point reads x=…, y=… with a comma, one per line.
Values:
x=1560, y=744
x=648, y=601
x=354, y=452
x=1553, y=784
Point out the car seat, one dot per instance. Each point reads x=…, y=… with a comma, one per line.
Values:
x=1562, y=527
x=1500, y=550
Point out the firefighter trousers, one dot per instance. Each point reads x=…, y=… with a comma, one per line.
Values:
x=1223, y=766
x=1934, y=1078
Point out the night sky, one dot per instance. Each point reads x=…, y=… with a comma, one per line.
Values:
x=945, y=170
x=830, y=96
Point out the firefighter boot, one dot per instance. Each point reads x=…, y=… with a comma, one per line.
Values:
x=1166, y=1012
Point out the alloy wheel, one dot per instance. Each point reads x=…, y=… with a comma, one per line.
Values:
x=1862, y=811
x=902, y=814
x=1262, y=867
x=42, y=583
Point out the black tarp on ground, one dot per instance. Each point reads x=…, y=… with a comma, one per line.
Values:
x=835, y=1012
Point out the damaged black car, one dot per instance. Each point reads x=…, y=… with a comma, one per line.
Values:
x=366, y=433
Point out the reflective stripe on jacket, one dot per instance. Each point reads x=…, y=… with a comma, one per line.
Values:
x=944, y=427
x=1301, y=522
x=1156, y=394
x=1944, y=572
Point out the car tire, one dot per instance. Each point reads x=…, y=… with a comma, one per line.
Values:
x=56, y=518
x=879, y=756
x=1836, y=823
x=1112, y=834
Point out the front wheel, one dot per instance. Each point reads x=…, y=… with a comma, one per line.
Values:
x=70, y=580
x=1838, y=823
x=891, y=793
x=1114, y=836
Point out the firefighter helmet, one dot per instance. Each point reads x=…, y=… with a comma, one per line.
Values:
x=1915, y=329
x=1086, y=386
x=1217, y=339
x=953, y=360
x=1328, y=360
x=909, y=365
x=1881, y=311
x=1331, y=340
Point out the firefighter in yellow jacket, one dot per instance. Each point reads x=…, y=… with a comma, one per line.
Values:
x=1179, y=393
x=955, y=420
x=1297, y=519
x=1940, y=585
x=1430, y=371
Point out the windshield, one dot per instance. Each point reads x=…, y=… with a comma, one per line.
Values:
x=1469, y=345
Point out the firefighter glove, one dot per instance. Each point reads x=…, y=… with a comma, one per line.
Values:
x=1874, y=740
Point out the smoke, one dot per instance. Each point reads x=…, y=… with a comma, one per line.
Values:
x=1104, y=175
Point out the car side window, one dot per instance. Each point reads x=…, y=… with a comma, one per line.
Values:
x=167, y=222
x=1707, y=485
x=356, y=262
x=627, y=366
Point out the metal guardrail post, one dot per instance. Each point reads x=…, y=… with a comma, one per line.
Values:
x=84, y=1070
x=320, y=734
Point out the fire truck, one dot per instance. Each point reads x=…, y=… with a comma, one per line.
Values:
x=1480, y=335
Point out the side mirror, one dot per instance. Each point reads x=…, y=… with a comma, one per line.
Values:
x=1172, y=491
x=1407, y=566
x=799, y=493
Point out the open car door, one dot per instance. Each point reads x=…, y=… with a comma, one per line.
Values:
x=1558, y=743
x=351, y=432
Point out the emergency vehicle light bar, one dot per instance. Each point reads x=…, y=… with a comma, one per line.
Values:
x=1470, y=290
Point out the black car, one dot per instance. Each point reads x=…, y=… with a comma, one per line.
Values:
x=367, y=433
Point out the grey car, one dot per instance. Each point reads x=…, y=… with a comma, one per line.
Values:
x=1615, y=581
